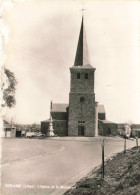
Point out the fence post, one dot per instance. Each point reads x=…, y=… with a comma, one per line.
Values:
x=103, y=159
x=137, y=141
x=124, y=145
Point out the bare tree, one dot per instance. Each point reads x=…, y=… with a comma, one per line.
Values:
x=136, y=137
x=127, y=133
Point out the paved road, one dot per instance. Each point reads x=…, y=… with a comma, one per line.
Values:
x=54, y=172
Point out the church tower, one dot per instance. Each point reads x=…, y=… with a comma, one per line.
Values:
x=82, y=119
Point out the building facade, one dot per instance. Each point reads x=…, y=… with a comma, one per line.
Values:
x=80, y=116
x=9, y=129
x=82, y=106
x=107, y=128
x=135, y=130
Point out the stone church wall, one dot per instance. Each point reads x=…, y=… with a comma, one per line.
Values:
x=82, y=84
x=107, y=129
x=82, y=114
x=44, y=127
x=59, y=115
x=60, y=127
x=101, y=116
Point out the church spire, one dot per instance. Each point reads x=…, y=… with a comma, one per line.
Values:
x=81, y=57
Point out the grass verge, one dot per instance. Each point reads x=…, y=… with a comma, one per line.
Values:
x=122, y=177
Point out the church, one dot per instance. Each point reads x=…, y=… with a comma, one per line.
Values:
x=83, y=116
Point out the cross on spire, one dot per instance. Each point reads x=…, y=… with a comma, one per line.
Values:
x=82, y=10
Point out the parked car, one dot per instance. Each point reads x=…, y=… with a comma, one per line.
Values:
x=30, y=134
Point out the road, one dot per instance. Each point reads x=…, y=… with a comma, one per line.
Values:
x=53, y=173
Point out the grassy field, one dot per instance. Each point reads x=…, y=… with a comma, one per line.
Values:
x=19, y=149
x=122, y=177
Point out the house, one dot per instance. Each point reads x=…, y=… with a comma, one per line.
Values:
x=135, y=130
x=9, y=129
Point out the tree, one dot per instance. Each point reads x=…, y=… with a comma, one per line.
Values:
x=9, y=93
x=127, y=134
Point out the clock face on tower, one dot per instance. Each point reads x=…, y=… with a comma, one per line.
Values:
x=82, y=99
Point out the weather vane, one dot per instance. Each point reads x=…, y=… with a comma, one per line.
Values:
x=82, y=12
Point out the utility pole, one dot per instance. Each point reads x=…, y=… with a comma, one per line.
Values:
x=12, y=126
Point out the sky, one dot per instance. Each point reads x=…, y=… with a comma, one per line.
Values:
x=42, y=42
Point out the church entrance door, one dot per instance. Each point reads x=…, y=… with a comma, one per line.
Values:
x=81, y=130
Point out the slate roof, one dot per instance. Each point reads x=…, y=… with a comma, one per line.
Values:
x=5, y=122
x=107, y=122
x=121, y=125
x=136, y=129
x=59, y=107
x=135, y=126
x=81, y=57
x=56, y=107
x=45, y=120
x=7, y=125
x=86, y=66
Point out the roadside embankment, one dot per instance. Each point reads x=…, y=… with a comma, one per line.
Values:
x=122, y=177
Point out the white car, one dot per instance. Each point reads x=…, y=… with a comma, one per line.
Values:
x=30, y=134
